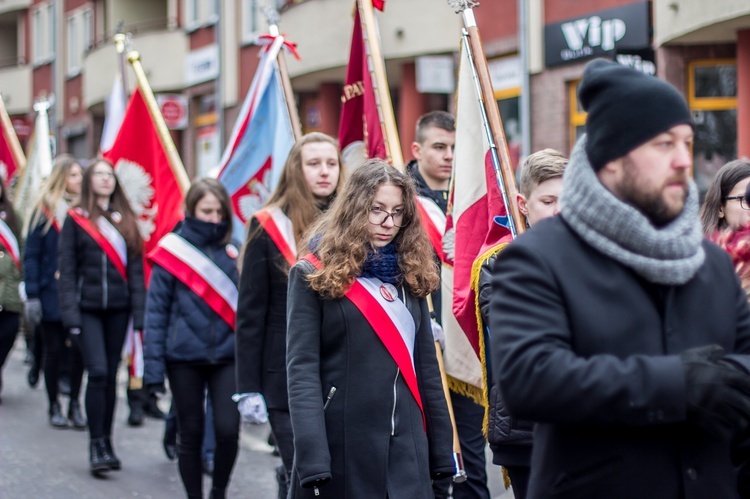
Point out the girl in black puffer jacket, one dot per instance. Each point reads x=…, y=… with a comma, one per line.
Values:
x=190, y=312
x=101, y=288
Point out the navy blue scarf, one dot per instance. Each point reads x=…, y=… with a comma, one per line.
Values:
x=383, y=264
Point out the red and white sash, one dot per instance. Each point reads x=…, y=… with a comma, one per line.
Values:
x=279, y=228
x=9, y=241
x=391, y=321
x=433, y=221
x=199, y=273
x=107, y=237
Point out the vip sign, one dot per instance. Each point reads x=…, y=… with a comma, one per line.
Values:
x=600, y=33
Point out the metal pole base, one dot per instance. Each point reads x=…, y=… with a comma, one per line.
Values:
x=458, y=464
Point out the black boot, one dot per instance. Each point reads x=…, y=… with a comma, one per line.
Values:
x=96, y=457
x=56, y=419
x=109, y=455
x=33, y=375
x=135, y=401
x=282, y=481
x=75, y=416
x=151, y=408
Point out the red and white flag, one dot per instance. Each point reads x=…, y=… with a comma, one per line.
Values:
x=360, y=130
x=476, y=226
x=143, y=170
x=11, y=153
x=114, y=113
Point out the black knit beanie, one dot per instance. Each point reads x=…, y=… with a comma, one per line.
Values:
x=626, y=108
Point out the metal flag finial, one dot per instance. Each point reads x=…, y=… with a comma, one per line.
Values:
x=461, y=5
x=271, y=14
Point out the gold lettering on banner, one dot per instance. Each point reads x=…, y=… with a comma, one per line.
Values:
x=351, y=91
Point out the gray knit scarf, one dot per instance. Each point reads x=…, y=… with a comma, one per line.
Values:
x=669, y=255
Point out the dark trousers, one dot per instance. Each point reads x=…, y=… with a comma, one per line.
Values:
x=281, y=425
x=55, y=336
x=519, y=479
x=100, y=342
x=188, y=383
x=209, y=440
x=469, y=417
x=8, y=332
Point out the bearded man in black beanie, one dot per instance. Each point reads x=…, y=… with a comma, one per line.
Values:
x=616, y=327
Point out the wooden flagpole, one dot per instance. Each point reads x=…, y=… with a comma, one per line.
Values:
x=380, y=83
x=286, y=83
x=12, y=138
x=492, y=112
x=134, y=58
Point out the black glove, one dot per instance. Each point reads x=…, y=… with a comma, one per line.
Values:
x=718, y=394
x=156, y=389
x=33, y=313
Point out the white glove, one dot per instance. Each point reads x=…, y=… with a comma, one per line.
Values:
x=437, y=333
x=252, y=407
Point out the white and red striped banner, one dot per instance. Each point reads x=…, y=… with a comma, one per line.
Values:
x=199, y=273
x=9, y=241
x=279, y=228
x=433, y=221
x=107, y=237
x=391, y=321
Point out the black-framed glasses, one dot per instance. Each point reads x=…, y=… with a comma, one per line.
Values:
x=743, y=203
x=378, y=216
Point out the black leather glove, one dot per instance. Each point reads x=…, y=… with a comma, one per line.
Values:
x=718, y=394
x=156, y=389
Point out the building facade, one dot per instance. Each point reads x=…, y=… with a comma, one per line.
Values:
x=200, y=57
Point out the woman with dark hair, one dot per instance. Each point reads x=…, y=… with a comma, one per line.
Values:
x=310, y=179
x=101, y=288
x=190, y=319
x=724, y=206
x=10, y=276
x=365, y=396
x=41, y=276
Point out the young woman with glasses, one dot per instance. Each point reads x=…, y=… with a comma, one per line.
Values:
x=41, y=277
x=368, y=412
x=101, y=289
x=724, y=206
x=309, y=181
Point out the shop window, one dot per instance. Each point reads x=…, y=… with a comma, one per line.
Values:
x=509, y=103
x=577, y=125
x=712, y=96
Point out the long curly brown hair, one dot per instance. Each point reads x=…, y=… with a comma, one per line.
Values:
x=342, y=238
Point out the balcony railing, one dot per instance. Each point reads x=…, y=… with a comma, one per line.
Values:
x=138, y=28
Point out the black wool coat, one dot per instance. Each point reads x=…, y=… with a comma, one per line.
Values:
x=590, y=351
x=90, y=281
x=371, y=440
x=261, y=320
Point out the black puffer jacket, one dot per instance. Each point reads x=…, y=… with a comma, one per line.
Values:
x=510, y=439
x=90, y=281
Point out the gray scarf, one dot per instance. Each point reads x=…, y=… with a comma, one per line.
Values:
x=668, y=255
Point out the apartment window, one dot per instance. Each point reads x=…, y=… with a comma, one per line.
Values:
x=74, y=51
x=38, y=28
x=43, y=35
x=251, y=20
x=577, y=120
x=50, y=30
x=200, y=13
x=712, y=96
x=78, y=39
